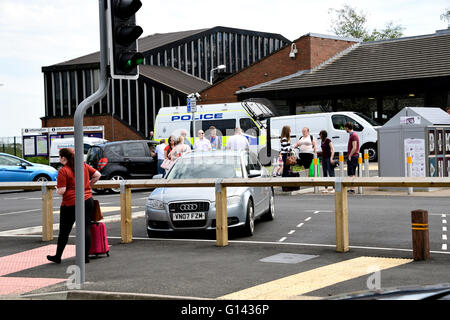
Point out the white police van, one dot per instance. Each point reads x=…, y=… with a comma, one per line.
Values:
x=225, y=117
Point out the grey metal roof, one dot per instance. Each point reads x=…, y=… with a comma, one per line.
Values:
x=429, y=116
x=144, y=44
x=398, y=59
x=173, y=78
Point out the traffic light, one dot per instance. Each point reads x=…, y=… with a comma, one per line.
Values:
x=123, y=33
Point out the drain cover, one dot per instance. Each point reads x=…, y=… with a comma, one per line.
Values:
x=291, y=258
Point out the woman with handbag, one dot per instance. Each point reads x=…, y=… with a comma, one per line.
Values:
x=66, y=187
x=308, y=148
x=285, y=141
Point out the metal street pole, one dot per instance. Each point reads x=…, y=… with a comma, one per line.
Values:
x=78, y=135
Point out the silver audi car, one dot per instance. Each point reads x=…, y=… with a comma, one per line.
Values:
x=182, y=209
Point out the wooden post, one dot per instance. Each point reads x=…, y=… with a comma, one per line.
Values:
x=341, y=214
x=47, y=213
x=125, y=213
x=221, y=216
x=420, y=235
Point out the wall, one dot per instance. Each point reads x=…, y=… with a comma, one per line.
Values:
x=115, y=130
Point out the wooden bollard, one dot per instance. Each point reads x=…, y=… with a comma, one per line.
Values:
x=420, y=235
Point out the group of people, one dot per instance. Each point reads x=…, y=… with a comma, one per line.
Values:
x=308, y=148
x=177, y=146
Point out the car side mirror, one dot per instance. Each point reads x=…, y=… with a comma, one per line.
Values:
x=23, y=165
x=254, y=173
x=157, y=176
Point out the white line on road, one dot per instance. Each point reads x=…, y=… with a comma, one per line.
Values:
x=444, y=221
x=282, y=239
x=444, y=246
x=307, y=219
x=291, y=232
x=15, y=212
x=299, y=226
x=444, y=237
x=315, y=212
x=444, y=229
x=443, y=216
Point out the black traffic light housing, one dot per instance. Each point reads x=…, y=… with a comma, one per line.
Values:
x=123, y=33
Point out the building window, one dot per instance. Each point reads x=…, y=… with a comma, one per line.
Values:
x=219, y=48
x=208, y=57
x=182, y=62
x=189, y=58
x=73, y=92
x=233, y=53
x=244, y=51
x=202, y=59
x=196, y=58
x=213, y=51
x=226, y=50
x=133, y=107
x=239, y=52
x=176, y=61
x=57, y=93
x=266, y=47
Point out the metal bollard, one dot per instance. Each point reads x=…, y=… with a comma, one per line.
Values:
x=420, y=235
x=316, y=167
x=409, y=169
x=366, y=164
x=341, y=163
x=360, y=173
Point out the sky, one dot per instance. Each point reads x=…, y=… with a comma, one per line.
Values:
x=37, y=33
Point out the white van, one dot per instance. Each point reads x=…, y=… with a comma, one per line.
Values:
x=58, y=144
x=333, y=123
x=225, y=117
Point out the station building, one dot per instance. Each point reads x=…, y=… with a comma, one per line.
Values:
x=175, y=65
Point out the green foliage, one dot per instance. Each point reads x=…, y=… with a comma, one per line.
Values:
x=446, y=16
x=347, y=22
x=40, y=160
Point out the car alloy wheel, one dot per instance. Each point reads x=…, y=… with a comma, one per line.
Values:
x=116, y=178
x=42, y=178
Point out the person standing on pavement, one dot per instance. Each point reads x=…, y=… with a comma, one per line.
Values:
x=169, y=147
x=160, y=155
x=352, y=152
x=216, y=143
x=66, y=187
x=308, y=148
x=179, y=149
x=202, y=144
x=285, y=141
x=328, y=162
x=186, y=139
x=237, y=141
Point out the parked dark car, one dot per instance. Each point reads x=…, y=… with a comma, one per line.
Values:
x=120, y=160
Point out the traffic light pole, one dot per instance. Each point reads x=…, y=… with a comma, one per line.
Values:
x=78, y=134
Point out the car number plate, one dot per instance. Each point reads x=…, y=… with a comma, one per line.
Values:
x=189, y=216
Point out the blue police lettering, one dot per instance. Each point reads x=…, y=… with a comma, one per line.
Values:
x=186, y=117
x=207, y=116
x=175, y=118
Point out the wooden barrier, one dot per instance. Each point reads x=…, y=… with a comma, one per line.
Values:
x=340, y=184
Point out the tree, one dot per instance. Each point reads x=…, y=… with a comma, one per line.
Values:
x=347, y=22
x=446, y=16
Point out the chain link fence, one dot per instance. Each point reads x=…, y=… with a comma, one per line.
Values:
x=11, y=145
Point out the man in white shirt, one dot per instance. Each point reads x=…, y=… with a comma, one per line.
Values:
x=238, y=141
x=160, y=154
x=202, y=144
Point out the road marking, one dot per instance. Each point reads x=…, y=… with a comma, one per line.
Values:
x=315, y=279
x=444, y=221
x=307, y=219
x=291, y=232
x=282, y=239
x=38, y=229
x=315, y=212
x=299, y=226
x=443, y=216
x=444, y=237
x=444, y=246
x=444, y=228
x=16, y=212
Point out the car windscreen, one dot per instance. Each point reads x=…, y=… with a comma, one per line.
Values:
x=369, y=120
x=93, y=155
x=206, y=167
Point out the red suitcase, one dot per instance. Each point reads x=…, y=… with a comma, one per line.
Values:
x=99, y=239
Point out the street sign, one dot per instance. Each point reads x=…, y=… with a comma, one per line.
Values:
x=191, y=105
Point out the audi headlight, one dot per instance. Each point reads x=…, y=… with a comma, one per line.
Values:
x=155, y=204
x=233, y=200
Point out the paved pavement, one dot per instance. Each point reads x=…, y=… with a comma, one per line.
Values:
x=256, y=268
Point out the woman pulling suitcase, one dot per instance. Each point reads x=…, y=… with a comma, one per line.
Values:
x=66, y=187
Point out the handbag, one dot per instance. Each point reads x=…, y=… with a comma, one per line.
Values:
x=291, y=159
x=97, y=214
x=167, y=164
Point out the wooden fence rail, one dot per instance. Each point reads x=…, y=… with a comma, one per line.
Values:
x=221, y=185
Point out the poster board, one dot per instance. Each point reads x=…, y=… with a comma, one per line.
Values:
x=417, y=149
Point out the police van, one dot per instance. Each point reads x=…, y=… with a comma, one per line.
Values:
x=225, y=117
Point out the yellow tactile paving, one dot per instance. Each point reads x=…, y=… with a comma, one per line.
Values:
x=316, y=279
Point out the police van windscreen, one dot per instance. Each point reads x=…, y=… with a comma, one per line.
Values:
x=223, y=127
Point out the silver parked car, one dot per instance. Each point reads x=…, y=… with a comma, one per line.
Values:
x=182, y=209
